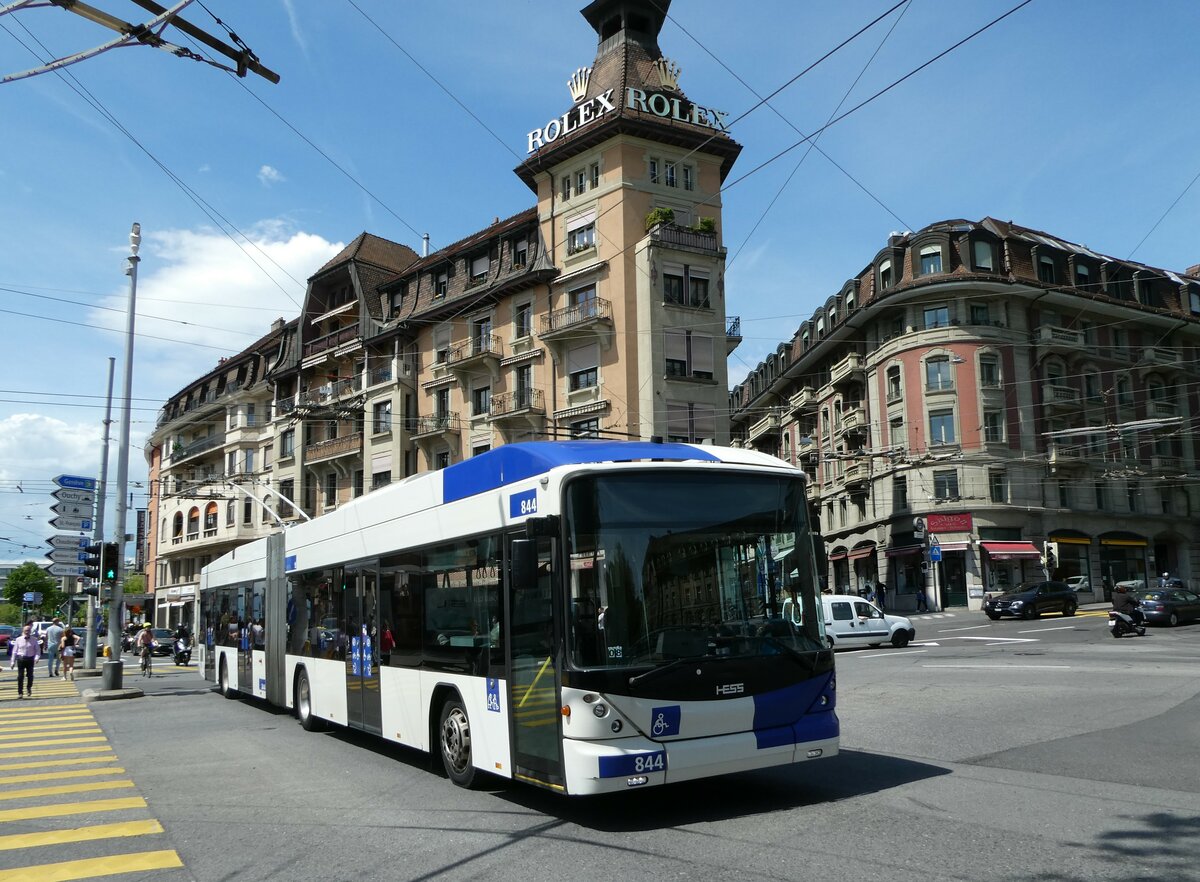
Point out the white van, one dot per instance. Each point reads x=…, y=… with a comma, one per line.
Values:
x=854, y=621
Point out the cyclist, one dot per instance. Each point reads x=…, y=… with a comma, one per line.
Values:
x=145, y=640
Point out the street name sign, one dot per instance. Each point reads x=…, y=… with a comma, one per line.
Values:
x=62, y=569
x=81, y=497
x=66, y=540
x=73, y=509
x=32, y=597
x=66, y=555
x=935, y=553
x=75, y=482
x=62, y=522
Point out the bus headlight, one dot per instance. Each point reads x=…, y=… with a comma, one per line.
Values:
x=617, y=726
x=600, y=710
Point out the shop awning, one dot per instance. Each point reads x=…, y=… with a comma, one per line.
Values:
x=1011, y=550
x=838, y=555
x=905, y=550
x=859, y=553
x=1125, y=543
x=955, y=546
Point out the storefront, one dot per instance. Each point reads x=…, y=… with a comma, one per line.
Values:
x=906, y=576
x=1011, y=563
x=1070, y=559
x=1122, y=558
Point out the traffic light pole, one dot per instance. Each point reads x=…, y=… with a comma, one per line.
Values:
x=89, y=641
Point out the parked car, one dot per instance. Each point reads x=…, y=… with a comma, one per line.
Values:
x=7, y=633
x=1132, y=584
x=853, y=621
x=1030, y=599
x=1169, y=606
x=1079, y=583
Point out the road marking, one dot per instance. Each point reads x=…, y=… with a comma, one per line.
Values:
x=73, y=729
x=1040, y=630
x=925, y=643
x=999, y=641
x=1003, y=667
x=60, y=789
x=51, y=741
x=11, y=713
x=17, y=725
x=64, y=750
x=970, y=628
x=60, y=775
x=93, y=867
x=78, y=761
x=71, y=808
x=80, y=834
x=892, y=653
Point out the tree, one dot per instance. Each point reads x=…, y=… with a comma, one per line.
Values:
x=31, y=577
x=10, y=614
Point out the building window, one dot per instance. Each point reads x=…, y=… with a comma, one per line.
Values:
x=381, y=479
x=680, y=278
x=287, y=443
x=945, y=484
x=1046, y=270
x=1064, y=495
x=653, y=171
x=581, y=238
x=331, y=488
x=481, y=401
x=899, y=492
x=941, y=427
x=583, y=366
x=690, y=423
x=997, y=486
x=1194, y=298
x=1101, y=496
x=937, y=374
x=689, y=354
x=586, y=428
x=689, y=178
x=931, y=259
x=356, y=487
x=1083, y=276
x=581, y=180
x=595, y=174
x=885, y=274
x=479, y=268
x=1091, y=386
x=566, y=187
x=522, y=320
x=441, y=404
x=287, y=489
x=249, y=462
x=441, y=460
x=937, y=317
x=1132, y=495
x=441, y=285
x=247, y=512
x=980, y=314
x=983, y=254
x=673, y=286
x=698, y=290
x=896, y=432
x=382, y=416
x=669, y=174
x=993, y=426
x=1124, y=393
x=481, y=336
x=520, y=252
x=230, y=513
x=989, y=372
x=894, y=389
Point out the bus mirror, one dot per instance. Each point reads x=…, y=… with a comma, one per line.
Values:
x=545, y=526
x=524, y=562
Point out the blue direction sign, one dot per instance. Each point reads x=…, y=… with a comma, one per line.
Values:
x=66, y=555
x=76, y=482
x=32, y=597
x=66, y=540
x=935, y=553
x=66, y=523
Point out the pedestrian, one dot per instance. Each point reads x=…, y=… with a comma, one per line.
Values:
x=67, y=653
x=53, y=639
x=25, y=654
x=922, y=603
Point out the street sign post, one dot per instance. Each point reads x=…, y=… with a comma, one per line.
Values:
x=62, y=522
x=62, y=569
x=32, y=597
x=66, y=540
x=67, y=555
x=82, y=497
x=75, y=482
x=72, y=509
x=935, y=553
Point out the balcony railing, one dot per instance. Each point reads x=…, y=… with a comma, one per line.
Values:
x=1163, y=409
x=179, y=454
x=850, y=366
x=435, y=424
x=804, y=400
x=480, y=345
x=1056, y=336
x=333, y=447
x=1165, y=463
x=1166, y=357
x=591, y=310
x=733, y=326
x=677, y=236
x=768, y=425
x=854, y=421
x=1060, y=396
x=522, y=400
x=337, y=338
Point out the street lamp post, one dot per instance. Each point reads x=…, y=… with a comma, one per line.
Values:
x=111, y=675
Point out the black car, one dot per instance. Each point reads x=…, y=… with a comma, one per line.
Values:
x=1169, y=606
x=1030, y=599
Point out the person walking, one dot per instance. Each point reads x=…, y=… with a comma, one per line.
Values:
x=53, y=642
x=922, y=602
x=66, y=651
x=25, y=654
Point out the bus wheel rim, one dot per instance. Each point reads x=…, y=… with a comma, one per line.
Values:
x=456, y=739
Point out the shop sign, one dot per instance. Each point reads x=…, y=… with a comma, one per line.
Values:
x=948, y=523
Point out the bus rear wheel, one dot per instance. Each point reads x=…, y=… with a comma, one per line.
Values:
x=309, y=722
x=223, y=681
x=455, y=738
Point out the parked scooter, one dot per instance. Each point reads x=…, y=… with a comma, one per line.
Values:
x=183, y=651
x=1122, y=623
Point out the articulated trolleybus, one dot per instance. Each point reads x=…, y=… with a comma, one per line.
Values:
x=586, y=616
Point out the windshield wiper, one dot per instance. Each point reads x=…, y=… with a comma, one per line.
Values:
x=670, y=666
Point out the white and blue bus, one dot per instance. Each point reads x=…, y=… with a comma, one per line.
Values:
x=585, y=616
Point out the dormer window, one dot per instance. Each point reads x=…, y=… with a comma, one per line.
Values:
x=520, y=252
x=1045, y=270
x=441, y=284
x=1083, y=276
x=479, y=268
x=984, y=256
x=931, y=259
x=885, y=275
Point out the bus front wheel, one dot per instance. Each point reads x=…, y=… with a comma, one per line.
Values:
x=308, y=720
x=455, y=729
x=223, y=681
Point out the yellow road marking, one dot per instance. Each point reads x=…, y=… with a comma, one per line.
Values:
x=79, y=834
x=50, y=741
x=65, y=750
x=60, y=789
x=58, y=708
x=50, y=729
x=93, y=867
x=61, y=810
x=42, y=764
x=16, y=725
x=60, y=775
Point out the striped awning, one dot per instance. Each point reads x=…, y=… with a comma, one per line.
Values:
x=1011, y=550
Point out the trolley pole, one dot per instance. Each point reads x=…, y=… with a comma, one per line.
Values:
x=89, y=640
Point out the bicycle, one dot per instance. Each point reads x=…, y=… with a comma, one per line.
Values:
x=146, y=656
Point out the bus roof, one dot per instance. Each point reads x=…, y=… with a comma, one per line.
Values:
x=515, y=462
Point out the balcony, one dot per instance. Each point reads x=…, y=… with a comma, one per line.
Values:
x=435, y=426
x=1060, y=398
x=1168, y=464
x=482, y=351
x=1163, y=409
x=733, y=333
x=850, y=369
x=591, y=313
x=766, y=428
x=857, y=477
x=806, y=449
x=1065, y=456
x=334, y=447
x=674, y=236
x=187, y=451
x=520, y=402
x=803, y=401
x=1055, y=338
x=1162, y=357
x=331, y=341
x=285, y=406
x=854, y=422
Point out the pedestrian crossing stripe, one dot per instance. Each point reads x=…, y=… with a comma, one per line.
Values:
x=22, y=710
x=61, y=789
x=63, y=809
x=90, y=868
x=57, y=752
x=60, y=775
x=79, y=834
x=48, y=741
x=49, y=729
x=43, y=764
x=8, y=723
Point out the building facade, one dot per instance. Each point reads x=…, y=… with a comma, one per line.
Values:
x=985, y=404
x=599, y=311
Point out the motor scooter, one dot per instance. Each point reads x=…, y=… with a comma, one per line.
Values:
x=183, y=651
x=1121, y=623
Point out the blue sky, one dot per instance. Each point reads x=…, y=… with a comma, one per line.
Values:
x=1078, y=118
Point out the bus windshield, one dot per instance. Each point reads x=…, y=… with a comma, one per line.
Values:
x=689, y=564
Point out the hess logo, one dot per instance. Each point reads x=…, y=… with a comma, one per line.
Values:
x=731, y=689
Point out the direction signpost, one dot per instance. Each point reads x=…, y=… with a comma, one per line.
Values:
x=76, y=482
x=66, y=540
x=62, y=569
x=81, y=497
x=62, y=522
x=66, y=555
x=73, y=509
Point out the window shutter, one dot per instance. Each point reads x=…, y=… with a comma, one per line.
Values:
x=581, y=220
x=677, y=419
x=676, y=345
x=582, y=358
x=704, y=421
x=702, y=353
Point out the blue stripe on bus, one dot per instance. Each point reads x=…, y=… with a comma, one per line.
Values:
x=510, y=463
x=792, y=715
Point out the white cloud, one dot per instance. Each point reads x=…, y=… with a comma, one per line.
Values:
x=294, y=22
x=268, y=175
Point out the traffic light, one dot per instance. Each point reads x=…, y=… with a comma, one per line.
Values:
x=93, y=590
x=111, y=552
x=91, y=563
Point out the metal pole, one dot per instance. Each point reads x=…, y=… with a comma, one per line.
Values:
x=112, y=668
x=89, y=641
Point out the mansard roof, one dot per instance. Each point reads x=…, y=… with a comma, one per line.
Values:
x=374, y=250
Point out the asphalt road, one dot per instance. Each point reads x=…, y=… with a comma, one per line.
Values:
x=1013, y=750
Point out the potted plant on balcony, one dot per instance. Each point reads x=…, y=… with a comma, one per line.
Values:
x=706, y=225
x=658, y=216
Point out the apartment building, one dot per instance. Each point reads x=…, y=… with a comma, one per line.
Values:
x=985, y=403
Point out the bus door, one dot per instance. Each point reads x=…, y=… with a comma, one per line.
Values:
x=362, y=648
x=533, y=676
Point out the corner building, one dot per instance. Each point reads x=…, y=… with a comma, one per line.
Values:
x=597, y=312
x=1020, y=402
